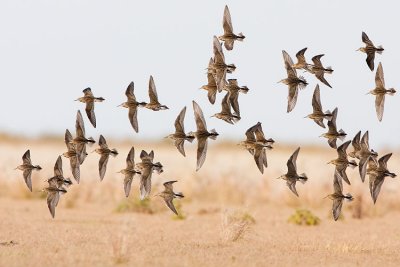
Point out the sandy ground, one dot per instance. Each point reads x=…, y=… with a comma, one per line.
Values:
x=89, y=231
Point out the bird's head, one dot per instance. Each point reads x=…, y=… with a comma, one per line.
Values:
x=361, y=49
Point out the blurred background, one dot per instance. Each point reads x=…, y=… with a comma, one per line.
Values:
x=50, y=51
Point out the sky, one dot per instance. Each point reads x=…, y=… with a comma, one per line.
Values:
x=51, y=50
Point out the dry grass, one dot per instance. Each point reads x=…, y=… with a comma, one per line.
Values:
x=234, y=224
x=122, y=242
x=254, y=231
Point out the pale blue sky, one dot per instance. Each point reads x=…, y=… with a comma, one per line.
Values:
x=51, y=50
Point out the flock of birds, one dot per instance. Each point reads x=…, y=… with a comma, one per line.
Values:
x=256, y=142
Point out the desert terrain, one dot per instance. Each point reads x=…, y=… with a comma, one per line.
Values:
x=231, y=214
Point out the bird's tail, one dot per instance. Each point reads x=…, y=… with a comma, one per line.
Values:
x=215, y=134
x=303, y=84
x=328, y=70
x=244, y=89
x=342, y=135
x=353, y=164
x=189, y=138
x=67, y=182
x=179, y=195
x=391, y=91
x=348, y=197
x=158, y=167
x=91, y=141
x=328, y=115
x=391, y=174
x=303, y=178
x=61, y=191
x=236, y=118
x=114, y=152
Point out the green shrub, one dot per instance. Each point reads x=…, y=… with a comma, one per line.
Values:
x=135, y=205
x=304, y=217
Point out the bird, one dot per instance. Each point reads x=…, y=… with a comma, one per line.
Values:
x=219, y=68
x=291, y=177
x=202, y=135
x=260, y=138
x=380, y=91
x=73, y=155
x=180, y=136
x=234, y=89
x=27, y=168
x=301, y=61
x=370, y=50
x=318, y=115
x=154, y=104
x=338, y=197
x=89, y=99
x=58, y=180
x=104, y=152
x=229, y=37
x=377, y=171
x=53, y=197
x=341, y=162
x=226, y=114
x=292, y=81
x=132, y=104
x=211, y=86
x=257, y=147
x=168, y=195
x=259, y=135
x=146, y=168
x=364, y=154
x=129, y=171
x=319, y=70
x=332, y=133
x=356, y=146
x=80, y=140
